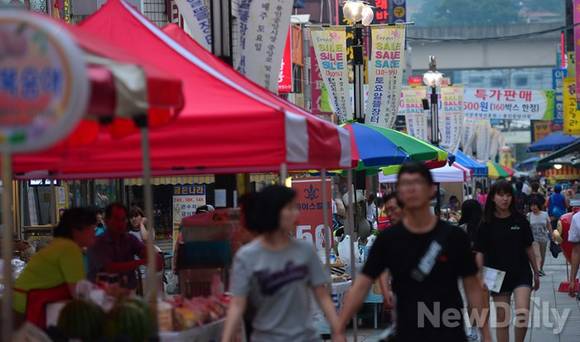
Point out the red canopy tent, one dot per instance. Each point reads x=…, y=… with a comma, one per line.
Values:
x=224, y=126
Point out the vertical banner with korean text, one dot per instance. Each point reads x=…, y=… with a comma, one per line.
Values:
x=451, y=117
x=576, y=20
x=558, y=75
x=571, y=112
x=330, y=49
x=285, y=78
x=411, y=107
x=385, y=75
x=311, y=220
x=197, y=18
x=262, y=27
x=468, y=136
x=483, y=139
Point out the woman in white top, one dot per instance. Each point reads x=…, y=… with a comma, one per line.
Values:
x=540, y=224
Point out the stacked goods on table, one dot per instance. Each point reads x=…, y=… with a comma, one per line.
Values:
x=195, y=312
x=338, y=271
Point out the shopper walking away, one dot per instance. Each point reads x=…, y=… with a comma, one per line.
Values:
x=541, y=229
x=521, y=198
x=504, y=242
x=536, y=196
x=277, y=274
x=426, y=257
x=557, y=205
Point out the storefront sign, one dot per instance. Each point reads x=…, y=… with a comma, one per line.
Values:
x=330, y=50
x=540, y=129
x=285, y=78
x=451, y=117
x=263, y=24
x=411, y=107
x=43, y=82
x=571, y=112
x=385, y=75
x=518, y=104
x=186, y=200
x=558, y=76
x=197, y=18
x=381, y=12
x=311, y=220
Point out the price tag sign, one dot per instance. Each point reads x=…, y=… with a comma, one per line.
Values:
x=44, y=86
x=311, y=220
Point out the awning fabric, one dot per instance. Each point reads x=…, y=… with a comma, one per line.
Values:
x=552, y=142
x=223, y=128
x=445, y=174
x=479, y=169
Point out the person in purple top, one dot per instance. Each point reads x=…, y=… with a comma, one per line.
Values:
x=116, y=251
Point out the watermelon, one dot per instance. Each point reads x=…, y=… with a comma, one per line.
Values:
x=81, y=319
x=150, y=315
x=127, y=321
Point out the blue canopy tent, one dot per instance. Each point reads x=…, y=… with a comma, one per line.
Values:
x=527, y=165
x=552, y=142
x=479, y=170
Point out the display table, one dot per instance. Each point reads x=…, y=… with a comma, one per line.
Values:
x=211, y=332
x=375, y=297
x=337, y=295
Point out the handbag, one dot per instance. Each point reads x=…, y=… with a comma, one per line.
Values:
x=555, y=248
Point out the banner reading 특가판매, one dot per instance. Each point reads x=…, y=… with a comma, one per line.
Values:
x=330, y=49
x=385, y=75
x=509, y=104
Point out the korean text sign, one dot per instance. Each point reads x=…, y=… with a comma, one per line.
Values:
x=514, y=104
x=571, y=113
x=311, y=220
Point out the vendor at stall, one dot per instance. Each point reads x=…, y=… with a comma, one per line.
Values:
x=116, y=251
x=51, y=274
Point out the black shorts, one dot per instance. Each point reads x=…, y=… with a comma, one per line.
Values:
x=512, y=283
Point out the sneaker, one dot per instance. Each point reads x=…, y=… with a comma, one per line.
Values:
x=473, y=335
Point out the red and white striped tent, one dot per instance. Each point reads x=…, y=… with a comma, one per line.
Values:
x=226, y=124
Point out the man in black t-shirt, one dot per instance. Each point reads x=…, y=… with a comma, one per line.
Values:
x=425, y=257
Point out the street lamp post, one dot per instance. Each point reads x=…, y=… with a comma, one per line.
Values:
x=360, y=14
x=432, y=79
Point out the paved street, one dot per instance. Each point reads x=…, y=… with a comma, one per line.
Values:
x=548, y=297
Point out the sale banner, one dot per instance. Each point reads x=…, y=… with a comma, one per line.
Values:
x=330, y=50
x=385, y=69
x=285, y=78
x=571, y=112
x=451, y=117
x=509, y=104
x=311, y=220
x=411, y=107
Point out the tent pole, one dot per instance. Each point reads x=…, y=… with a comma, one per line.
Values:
x=151, y=279
x=283, y=173
x=7, y=318
x=327, y=229
x=351, y=233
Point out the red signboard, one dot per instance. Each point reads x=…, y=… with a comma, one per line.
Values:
x=311, y=221
x=381, y=12
x=285, y=77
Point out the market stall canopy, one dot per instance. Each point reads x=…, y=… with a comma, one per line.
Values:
x=376, y=147
x=528, y=164
x=445, y=174
x=223, y=127
x=567, y=156
x=552, y=142
x=497, y=171
x=479, y=169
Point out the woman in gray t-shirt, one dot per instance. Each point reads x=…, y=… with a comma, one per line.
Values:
x=276, y=274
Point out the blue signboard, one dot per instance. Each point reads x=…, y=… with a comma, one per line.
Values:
x=558, y=76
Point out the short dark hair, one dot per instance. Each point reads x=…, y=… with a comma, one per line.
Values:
x=500, y=187
x=100, y=211
x=136, y=211
x=112, y=206
x=535, y=186
x=74, y=219
x=261, y=210
x=388, y=197
x=416, y=167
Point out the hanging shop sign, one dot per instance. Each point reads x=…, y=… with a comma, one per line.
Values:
x=386, y=66
x=196, y=16
x=398, y=11
x=296, y=45
x=411, y=107
x=576, y=21
x=451, y=117
x=311, y=220
x=330, y=50
x=381, y=12
x=262, y=26
x=43, y=82
x=540, y=129
x=519, y=104
x=285, y=78
x=571, y=112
